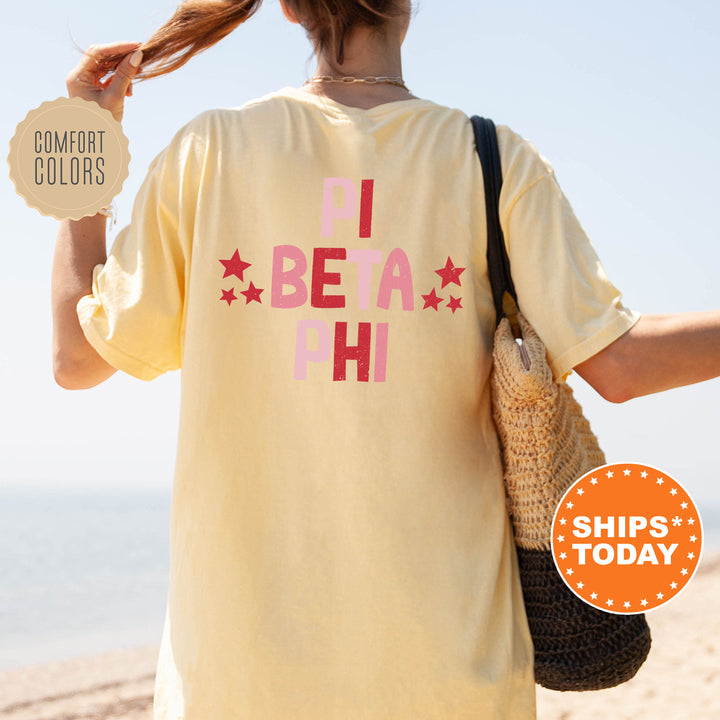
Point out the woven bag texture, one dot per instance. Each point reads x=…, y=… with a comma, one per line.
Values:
x=577, y=647
x=546, y=440
x=547, y=444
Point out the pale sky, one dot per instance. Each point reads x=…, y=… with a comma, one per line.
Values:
x=622, y=98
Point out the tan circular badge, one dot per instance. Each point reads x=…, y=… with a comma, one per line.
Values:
x=69, y=158
x=626, y=538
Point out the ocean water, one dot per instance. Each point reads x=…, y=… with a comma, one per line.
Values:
x=85, y=570
x=82, y=570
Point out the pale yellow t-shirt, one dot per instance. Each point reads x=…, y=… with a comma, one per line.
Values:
x=340, y=548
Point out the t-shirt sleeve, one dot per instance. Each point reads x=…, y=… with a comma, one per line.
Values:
x=562, y=288
x=134, y=315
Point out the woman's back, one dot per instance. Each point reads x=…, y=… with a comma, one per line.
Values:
x=340, y=545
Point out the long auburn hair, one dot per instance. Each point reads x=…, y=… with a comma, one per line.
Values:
x=198, y=24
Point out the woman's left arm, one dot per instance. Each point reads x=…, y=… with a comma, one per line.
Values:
x=658, y=353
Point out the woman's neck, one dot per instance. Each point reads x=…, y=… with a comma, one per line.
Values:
x=367, y=54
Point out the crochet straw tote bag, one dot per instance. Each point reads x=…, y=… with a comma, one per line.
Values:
x=547, y=444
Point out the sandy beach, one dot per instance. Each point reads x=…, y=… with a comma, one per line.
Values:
x=680, y=680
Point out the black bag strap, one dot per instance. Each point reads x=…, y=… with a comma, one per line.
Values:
x=497, y=257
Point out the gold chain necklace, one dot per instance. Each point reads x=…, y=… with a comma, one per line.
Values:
x=348, y=79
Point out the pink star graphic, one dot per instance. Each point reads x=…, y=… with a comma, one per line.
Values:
x=454, y=304
x=450, y=274
x=252, y=293
x=235, y=266
x=432, y=300
x=229, y=296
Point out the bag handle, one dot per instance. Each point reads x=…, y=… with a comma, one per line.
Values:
x=503, y=289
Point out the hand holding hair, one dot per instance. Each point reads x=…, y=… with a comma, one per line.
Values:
x=89, y=79
x=103, y=75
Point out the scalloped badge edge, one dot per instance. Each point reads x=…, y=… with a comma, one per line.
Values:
x=45, y=208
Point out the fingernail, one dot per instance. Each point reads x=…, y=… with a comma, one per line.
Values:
x=136, y=58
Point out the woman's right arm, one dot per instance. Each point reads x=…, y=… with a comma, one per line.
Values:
x=80, y=243
x=80, y=246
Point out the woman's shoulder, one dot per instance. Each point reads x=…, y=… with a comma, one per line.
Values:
x=522, y=164
x=254, y=106
x=212, y=131
x=205, y=125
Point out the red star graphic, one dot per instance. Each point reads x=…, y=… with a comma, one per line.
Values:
x=252, y=293
x=235, y=266
x=454, y=304
x=229, y=296
x=432, y=300
x=450, y=274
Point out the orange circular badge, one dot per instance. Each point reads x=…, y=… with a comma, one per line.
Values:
x=626, y=538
